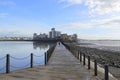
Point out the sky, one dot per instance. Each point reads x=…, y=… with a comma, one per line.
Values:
x=89, y=19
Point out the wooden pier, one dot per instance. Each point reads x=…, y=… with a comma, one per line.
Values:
x=61, y=66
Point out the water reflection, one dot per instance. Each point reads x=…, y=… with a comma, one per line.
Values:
x=19, y=50
x=42, y=45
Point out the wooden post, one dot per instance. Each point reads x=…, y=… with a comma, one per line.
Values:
x=31, y=60
x=45, y=58
x=95, y=68
x=80, y=57
x=106, y=72
x=83, y=59
x=7, y=63
x=89, y=62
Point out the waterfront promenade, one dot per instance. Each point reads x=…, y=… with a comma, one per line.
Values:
x=61, y=66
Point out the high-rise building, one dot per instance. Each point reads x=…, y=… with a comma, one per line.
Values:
x=58, y=33
x=54, y=34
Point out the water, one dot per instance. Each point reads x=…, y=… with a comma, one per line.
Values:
x=20, y=54
x=112, y=45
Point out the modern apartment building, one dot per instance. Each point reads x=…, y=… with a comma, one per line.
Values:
x=54, y=34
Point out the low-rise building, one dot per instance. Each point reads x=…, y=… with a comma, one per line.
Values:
x=64, y=36
x=40, y=36
x=43, y=35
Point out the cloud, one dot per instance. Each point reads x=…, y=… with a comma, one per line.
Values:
x=76, y=25
x=110, y=8
x=95, y=6
x=69, y=3
x=105, y=27
x=112, y=22
x=110, y=27
x=7, y=3
x=111, y=36
x=3, y=15
x=103, y=6
x=10, y=33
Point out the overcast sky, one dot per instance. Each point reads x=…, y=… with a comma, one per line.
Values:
x=90, y=19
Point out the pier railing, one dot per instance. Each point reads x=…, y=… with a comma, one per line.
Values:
x=85, y=59
x=31, y=62
x=49, y=53
x=9, y=59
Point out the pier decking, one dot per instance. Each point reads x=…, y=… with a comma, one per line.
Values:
x=61, y=66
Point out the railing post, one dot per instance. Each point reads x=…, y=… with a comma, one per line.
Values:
x=89, y=62
x=45, y=58
x=78, y=54
x=7, y=63
x=80, y=57
x=31, y=60
x=95, y=68
x=83, y=59
x=106, y=72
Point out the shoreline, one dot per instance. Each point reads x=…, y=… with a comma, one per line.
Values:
x=31, y=40
x=112, y=58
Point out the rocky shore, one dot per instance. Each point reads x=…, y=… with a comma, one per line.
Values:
x=103, y=57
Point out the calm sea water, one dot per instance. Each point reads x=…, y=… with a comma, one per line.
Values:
x=112, y=45
x=20, y=54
